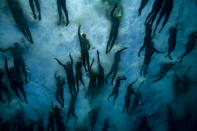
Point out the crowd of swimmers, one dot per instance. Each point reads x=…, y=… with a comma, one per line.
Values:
x=18, y=76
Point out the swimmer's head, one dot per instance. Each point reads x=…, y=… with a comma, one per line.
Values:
x=60, y=77
x=118, y=13
x=84, y=35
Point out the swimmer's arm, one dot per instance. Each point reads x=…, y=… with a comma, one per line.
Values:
x=98, y=58
x=122, y=49
x=159, y=52
x=79, y=31
x=132, y=83
x=59, y=62
x=115, y=6
x=3, y=50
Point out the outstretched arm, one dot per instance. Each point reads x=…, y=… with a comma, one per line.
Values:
x=132, y=83
x=3, y=50
x=79, y=31
x=115, y=6
x=59, y=62
x=122, y=49
x=159, y=52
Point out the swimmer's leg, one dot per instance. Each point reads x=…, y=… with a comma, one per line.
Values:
x=114, y=76
x=32, y=8
x=115, y=35
x=59, y=8
x=38, y=8
x=109, y=42
x=65, y=11
x=26, y=27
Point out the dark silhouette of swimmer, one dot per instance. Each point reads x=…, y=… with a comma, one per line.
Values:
x=165, y=11
x=56, y=116
x=61, y=5
x=92, y=87
x=149, y=51
x=142, y=5
x=164, y=68
x=19, y=18
x=5, y=126
x=51, y=121
x=176, y=87
x=36, y=2
x=19, y=121
x=106, y=125
x=157, y=5
x=115, y=65
x=172, y=40
x=40, y=125
x=190, y=45
x=68, y=67
x=3, y=87
x=147, y=38
x=186, y=122
x=101, y=76
x=30, y=126
x=78, y=74
x=85, y=46
x=137, y=98
x=60, y=81
x=127, y=99
x=186, y=81
x=181, y=84
x=19, y=64
x=115, y=90
x=115, y=23
x=15, y=80
x=171, y=120
x=143, y=125
x=93, y=115
x=71, y=110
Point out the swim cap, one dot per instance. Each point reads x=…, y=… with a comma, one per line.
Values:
x=118, y=14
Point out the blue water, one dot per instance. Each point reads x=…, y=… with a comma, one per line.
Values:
x=53, y=41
